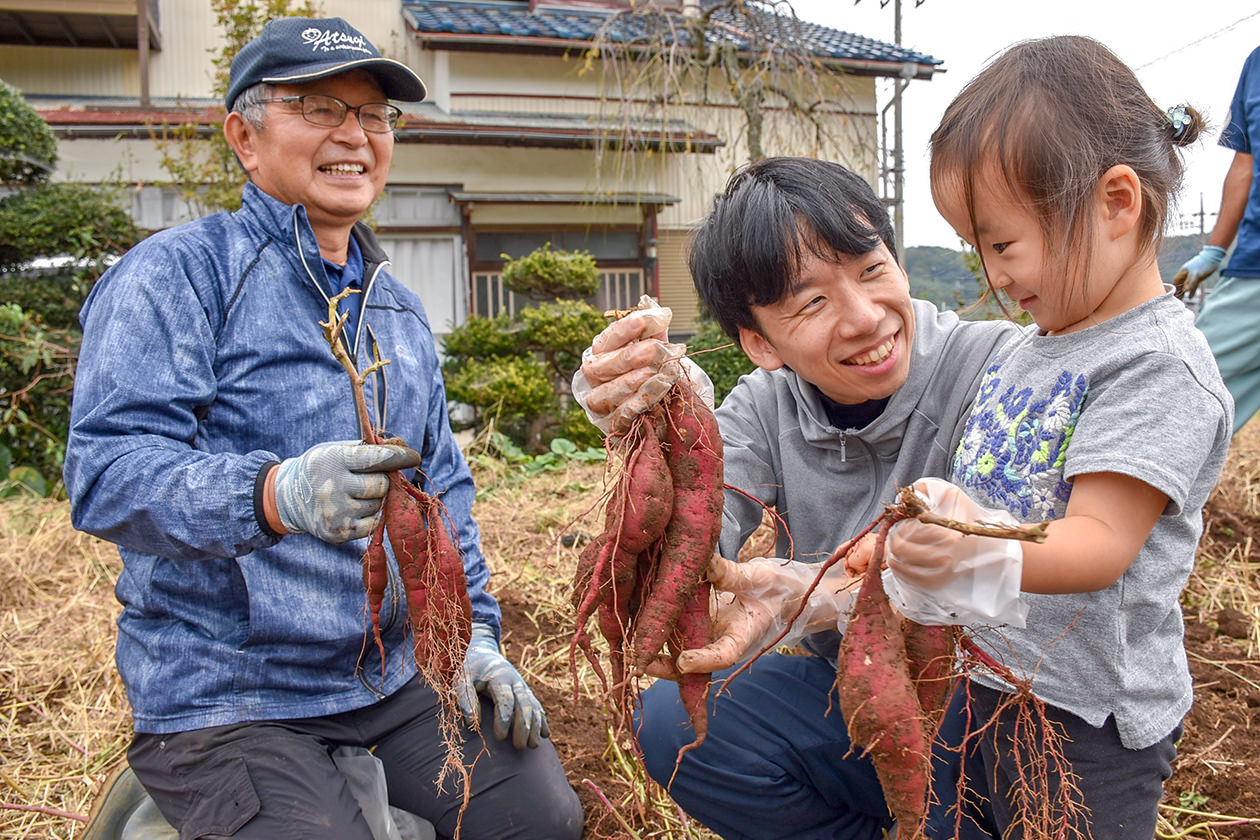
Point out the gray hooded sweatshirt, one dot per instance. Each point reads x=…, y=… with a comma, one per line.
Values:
x=827, y=483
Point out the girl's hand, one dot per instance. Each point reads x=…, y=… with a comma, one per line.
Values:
x=930, y=556
x=937, y=575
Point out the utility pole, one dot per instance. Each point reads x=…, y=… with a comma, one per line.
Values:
x=142, y=47
x=898, y=164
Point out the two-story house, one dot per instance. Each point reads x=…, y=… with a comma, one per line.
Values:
x=523, y=139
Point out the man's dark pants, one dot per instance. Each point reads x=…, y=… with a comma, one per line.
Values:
x=277, y=779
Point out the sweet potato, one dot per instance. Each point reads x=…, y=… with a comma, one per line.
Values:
x=636, y=517
x=375, y=582
x=692, y=631
x=438, y=607
x=644, y=576
x=879, y=703
x=695, y=463
x=930, y=660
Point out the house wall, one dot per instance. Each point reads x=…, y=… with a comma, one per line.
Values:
x=182, y=69
x=462, y=83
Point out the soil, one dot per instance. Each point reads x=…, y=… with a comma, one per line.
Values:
x=1216, y=775
x=1216, y=770
x=1218, y=763
x=578, y=730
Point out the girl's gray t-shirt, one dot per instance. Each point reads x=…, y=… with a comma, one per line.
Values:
x=1138, y=395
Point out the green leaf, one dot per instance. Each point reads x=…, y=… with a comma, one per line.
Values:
x=563, y=446
x=30, y=479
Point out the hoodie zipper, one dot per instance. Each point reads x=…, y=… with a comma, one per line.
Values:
x=394, y=584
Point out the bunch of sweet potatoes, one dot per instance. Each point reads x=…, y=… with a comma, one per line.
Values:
x=643, y=576
x=430, y=565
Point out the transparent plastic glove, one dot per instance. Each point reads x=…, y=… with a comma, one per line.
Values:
x=333, y=490
x=756, y=599
x=936, y=575
x=516, y=709
x=1197, y=269
x=630, y=366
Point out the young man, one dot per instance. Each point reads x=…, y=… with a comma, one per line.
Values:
x=859, y=390
x=214, y=439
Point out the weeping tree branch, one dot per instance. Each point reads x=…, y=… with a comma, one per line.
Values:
x=749, y=56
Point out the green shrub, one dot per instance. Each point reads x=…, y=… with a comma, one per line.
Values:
x=548, y=273
x=575, y=426
x=515, y=371
x=54, y=296
x=724, y=366
x=80, y=221
x=481, y=338
x=28, y=149
x=560, y=331
x=513, y=388
x=37, y=379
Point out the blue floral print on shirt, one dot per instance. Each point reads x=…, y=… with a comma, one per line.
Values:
x=1015, y=443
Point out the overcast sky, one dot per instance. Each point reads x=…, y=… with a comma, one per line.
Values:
x=1182, y=52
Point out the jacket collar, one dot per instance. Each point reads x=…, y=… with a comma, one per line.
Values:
x=283, y=222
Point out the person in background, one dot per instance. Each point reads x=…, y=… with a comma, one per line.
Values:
x=214, y=439
x=1230, y=317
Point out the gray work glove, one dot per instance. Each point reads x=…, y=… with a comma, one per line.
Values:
x=1197, y=269
x=516, y=709
x=332, y=491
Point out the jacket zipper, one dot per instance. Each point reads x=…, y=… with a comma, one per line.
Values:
x=394, y=582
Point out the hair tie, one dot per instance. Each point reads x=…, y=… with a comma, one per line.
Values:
x=1178, y=119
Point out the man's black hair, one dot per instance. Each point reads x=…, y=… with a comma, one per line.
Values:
x=748, y=249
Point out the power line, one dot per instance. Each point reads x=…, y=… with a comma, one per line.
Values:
x=1197, y=41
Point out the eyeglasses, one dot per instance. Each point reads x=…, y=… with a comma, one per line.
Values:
x=330, y=112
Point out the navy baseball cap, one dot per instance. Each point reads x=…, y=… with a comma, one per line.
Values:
x=297, y=50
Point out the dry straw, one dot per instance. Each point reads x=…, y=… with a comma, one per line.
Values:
x=63, y=715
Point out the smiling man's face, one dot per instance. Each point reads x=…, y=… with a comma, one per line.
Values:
x=846, y=327
x=335, y=172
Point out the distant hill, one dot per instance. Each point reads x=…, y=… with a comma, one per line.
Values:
x=941, y=275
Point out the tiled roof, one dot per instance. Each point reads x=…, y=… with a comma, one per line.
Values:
x=559, y=22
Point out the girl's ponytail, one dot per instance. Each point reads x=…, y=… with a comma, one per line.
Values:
x=1183, y=125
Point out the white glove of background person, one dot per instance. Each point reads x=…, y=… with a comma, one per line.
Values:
x=1197, y=269
x=937, y=575
x=333, y=490
x=630, y=366
x=516, y=709
x=756, y=599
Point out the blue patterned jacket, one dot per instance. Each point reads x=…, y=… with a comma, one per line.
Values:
x=203, y=362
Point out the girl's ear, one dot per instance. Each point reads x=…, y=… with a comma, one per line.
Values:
x=1120, y=200
x=243, y=138
x=759, y=350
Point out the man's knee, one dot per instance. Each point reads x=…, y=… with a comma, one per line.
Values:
x=662, y=728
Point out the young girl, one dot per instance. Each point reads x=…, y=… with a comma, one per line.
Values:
x=1108, y=417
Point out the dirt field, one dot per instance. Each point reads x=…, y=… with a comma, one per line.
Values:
x=63, y=719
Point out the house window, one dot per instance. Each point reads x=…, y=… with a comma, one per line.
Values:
x=619, y=288
x=604, y=245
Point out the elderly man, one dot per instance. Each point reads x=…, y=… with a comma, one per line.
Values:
x=214, y=439
x=860, y=389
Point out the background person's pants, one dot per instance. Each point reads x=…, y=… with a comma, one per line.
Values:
x=277, y=779
x=1230, y=320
